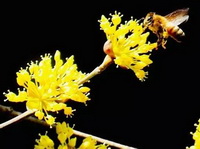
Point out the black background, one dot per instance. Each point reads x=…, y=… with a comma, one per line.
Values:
x=156, y=114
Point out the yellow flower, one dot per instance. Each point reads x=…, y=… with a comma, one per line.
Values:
x=196, y=137
x=88, y=143
x=127, y=44
x=44, y=143
x=63, y=147
x=64, y=132
x=48, y=84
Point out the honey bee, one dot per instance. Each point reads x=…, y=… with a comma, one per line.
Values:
x=166, y=26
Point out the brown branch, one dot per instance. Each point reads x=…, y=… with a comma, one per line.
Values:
x=13, y=113
x=10, y=111
x=106, y=62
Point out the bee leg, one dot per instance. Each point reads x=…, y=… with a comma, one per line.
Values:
x=164, y=40
x=162, y=37
x=159, y=40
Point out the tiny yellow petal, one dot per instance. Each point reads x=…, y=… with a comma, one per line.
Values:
x=68, y=111
x=62, y=137
x=63, y=146
x=23, y=77
x=39, y=115
x=84, y=89
x=88, y=143
x=72, y=142
x=50, y=119
x=104, y=23
x=116, y=18
x=10, y=96
x=141, y=74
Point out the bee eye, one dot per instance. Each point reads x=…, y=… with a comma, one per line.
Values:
x=149, y=19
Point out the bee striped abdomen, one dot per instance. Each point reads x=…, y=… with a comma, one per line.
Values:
x=175, y=32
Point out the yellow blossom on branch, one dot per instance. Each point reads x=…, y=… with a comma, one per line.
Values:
x=65, y=133
x=48, y=84
x=196, y=137
x=127, y=44
x=44, y=143
x=88, y=142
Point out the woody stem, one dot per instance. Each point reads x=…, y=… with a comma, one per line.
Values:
x=106, y=62
x=17, y=118
x=19, y=115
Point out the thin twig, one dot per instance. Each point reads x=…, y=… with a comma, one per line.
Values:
x=17, y=118
x=106, y=62
x=10, y=111
x=101, y=140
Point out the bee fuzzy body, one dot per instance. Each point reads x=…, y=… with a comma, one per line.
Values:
x=165, y=26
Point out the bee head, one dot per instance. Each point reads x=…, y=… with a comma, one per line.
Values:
x=148, y=20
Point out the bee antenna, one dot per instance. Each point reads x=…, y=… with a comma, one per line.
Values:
x=141, y=19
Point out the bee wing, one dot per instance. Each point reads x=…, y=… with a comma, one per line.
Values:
x=179, y=16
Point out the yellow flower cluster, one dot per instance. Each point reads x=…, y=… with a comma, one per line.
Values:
x=64, y=136
x=126, y=44
x=196, y=137
x=48, y=84
x=65, y=132
x=90, y=143
x=44, y=143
